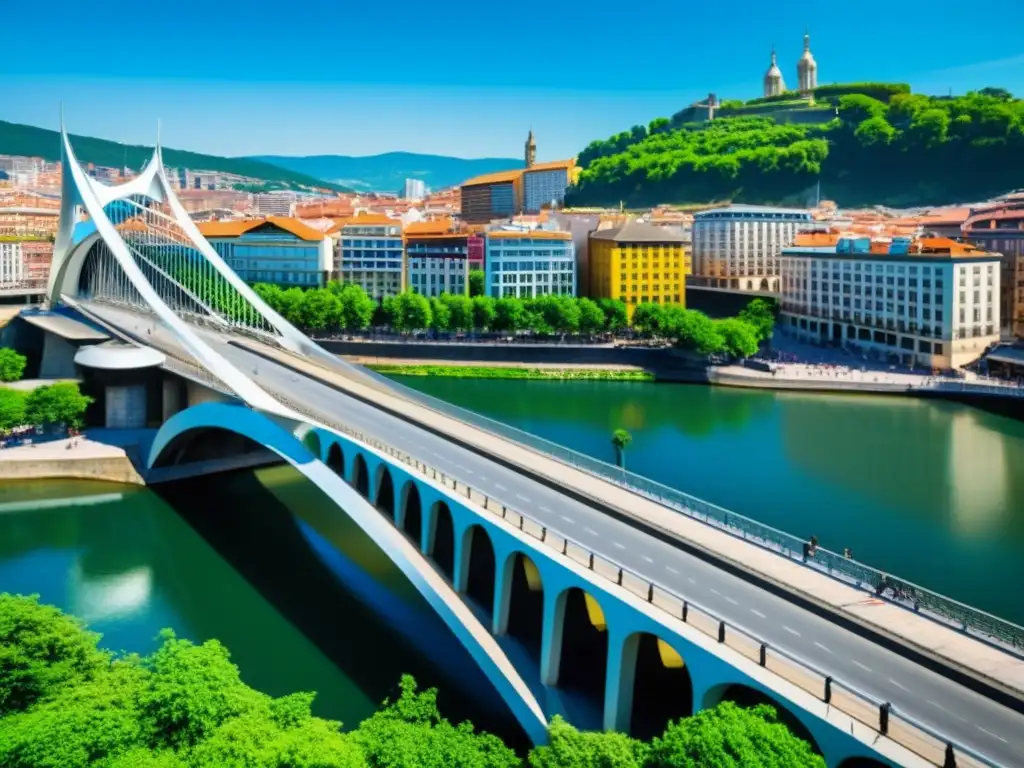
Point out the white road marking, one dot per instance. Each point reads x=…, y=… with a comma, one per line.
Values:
x=758, y=613
x=868, y=669
x=691, y=579
x=670, y=568
x=934, y=704
x=826, y=650
x=715, y=592
x=568, y=519
x=620, y=546
x=524, y=498
x=591, y=531
x=435, y=453
x=545, y=509
x=730, y=600
x=645, y=557
x=500, y=487
x=791, y=631
x=460, y=467
x=897, y=684
x=994, y=736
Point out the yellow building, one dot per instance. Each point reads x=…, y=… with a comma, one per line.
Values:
x=637, y=263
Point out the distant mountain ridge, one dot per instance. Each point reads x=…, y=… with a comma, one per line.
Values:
x=31, y=141
x=387, y=172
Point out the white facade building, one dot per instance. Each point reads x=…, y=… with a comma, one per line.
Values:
x=371, y=254
x=276, y=203
x=932, y=302
x=12, y=265
x=528, y=264
x=737, y=248
x=438, y=264
x=415, y=189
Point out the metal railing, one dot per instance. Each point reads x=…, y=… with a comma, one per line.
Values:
x=881, y=716
x=944, y=609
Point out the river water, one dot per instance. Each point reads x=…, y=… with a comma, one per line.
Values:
x=929, y=490
x=261, y=561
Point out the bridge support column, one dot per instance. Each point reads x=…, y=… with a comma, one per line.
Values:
x=503, y=594
x=551, y=642
x=460, y=578
x=620, y=677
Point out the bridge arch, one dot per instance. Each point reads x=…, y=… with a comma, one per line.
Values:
x=384, y=491
x=202, y=443
x=441, y=538
x=749, y=696
x=410, y=512
x=336, y=460
x=577, y=657
x=361, y=476
x=655, y=686
x=521, y=602
x=312, y=441
x=478, y=572
x=271, y=435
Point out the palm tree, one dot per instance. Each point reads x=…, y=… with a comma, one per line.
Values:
x=620, y=439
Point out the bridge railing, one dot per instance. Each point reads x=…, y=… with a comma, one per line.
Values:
x=880, y=716
x=936, y=606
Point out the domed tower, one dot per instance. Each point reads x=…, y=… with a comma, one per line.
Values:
x=807, y=69
x=773, y=82
x=531, y=150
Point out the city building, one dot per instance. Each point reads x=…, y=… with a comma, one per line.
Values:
x=530, y=156
x=737, y=248
x=475, y=250
x=437, y=258
x=529, y=263
x=807, y=69
x=415, y=189
x=1000, y=228
x=278, y=203
x=638, y=263
x=24, y=263
x=930, y=302
x=24, y=213
x=371, y=254
x=544, y=184
x=276, y=250
x=492, y=196
x=774, y=85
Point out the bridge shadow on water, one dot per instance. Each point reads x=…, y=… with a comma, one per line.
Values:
x=318, y=569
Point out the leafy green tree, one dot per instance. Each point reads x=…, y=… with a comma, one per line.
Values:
x=509, y=314
x=560, y=313
x=570, y=748
x=386, y=315
x=592, y=318
x=732, y=736
x=875, y=132
x=271, y=294
x=461, y=310
x=411, y=732
x=856, y=108
x=483, y=312
x=616, y=318
x=320, y=309
x=741, y=338
x=696, y=331
x=620, y=441
x=412, y=312
x=12, y=408
x=761, y=314
x=647, y=318
x=476, y=283
x=12, y=364
x=291, y=302
x=60, y=403
x=929, y=128
x=1001, y=94
x=356, y=307
x=440, y=315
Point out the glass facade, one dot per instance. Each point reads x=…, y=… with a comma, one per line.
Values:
x=372, y=256
x=503, y=200
x=438, y=266
x=530, y=266
x=541, y=188
x=273, y=257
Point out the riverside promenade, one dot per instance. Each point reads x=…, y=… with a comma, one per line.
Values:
x=949, y=646
x=75, y=458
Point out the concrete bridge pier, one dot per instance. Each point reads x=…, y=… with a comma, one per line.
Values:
x=551, y=639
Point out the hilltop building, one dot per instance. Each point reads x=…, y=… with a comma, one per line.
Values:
x=806, y=73
x=276, y=250
x=415, y=189
x=638, y=263
x=531, y=150
x=544, y=184
x=774, y=85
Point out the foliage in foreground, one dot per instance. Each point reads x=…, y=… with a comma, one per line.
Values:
x=60, y=403
x=12, y=364
x=66, y=703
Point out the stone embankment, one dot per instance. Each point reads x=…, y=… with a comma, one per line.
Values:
x=74, y=458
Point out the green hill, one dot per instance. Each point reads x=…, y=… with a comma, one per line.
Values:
x=17, y=139
x=890, y=147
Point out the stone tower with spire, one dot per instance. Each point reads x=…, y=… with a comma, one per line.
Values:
x=531, y=150
x=807, y=69
x=773, y=82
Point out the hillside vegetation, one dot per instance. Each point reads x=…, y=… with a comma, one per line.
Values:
x=28, y=140
x=892, y=147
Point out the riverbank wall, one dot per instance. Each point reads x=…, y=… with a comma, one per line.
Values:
x=107, y=468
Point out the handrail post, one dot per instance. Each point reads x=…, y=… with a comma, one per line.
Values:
x=650, y=593
x=721, y=631
x=686, y=611
x=883, y=718
x=565, y=546
x=591, y=563
x=828, y=689
x=763, y=656
x=950, y=760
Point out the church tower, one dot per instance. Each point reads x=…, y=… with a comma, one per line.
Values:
x=807, y=69
x=531, y=150
x=773, y=82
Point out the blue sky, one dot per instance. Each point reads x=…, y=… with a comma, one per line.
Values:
x=460, y=78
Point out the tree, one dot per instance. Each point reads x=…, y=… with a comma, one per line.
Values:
x=356, y=307
x=440, y=315
x=291, y=302
x=621, y=440
x=509, y=314
x=729, y=735
x=12, y=408
x=320, y=309
x=741, y=338
x=559, y=313
x=647, y=318
x=460, y=308
x=12, y=365
x=483, y=313
x=271, y=294
x=616, y=318
x=60, y=403
x=761, y=314
x=592, y=318
x=695, y=331
x=476, y=283
x=413, y=312
x=875, y=132
x=570, y=748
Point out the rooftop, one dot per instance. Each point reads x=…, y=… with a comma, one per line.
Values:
x=364, y=219
x=219, y=229
x=501, y=177
x=532, y=234
x=754, y=209
x=832, y=241
x=638, y=232
x=554, y=165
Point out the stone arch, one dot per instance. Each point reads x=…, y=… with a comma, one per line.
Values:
x=525, y=602
x=361, y=476
x=336, y=459
x=442, y=545
x=746, y=696
x=750, y=285
x=657, y=682
x=385, y=495
x=205, y=443
x=583, y=657
x=411, y=514
x=764, y=284
x=312, y=441
x=477, y=556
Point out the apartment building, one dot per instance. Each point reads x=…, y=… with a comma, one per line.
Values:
x=529, y=263
x=737, y=248
x=371, y=254
x=1000, y=228
x=492, y=196
x=281, y=203
x=437, y=258
x=638, y=263
x=544, y=184
x=930, y=302
x=273, y=250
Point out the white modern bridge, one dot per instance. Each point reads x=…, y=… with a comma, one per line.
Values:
x=557, y=573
